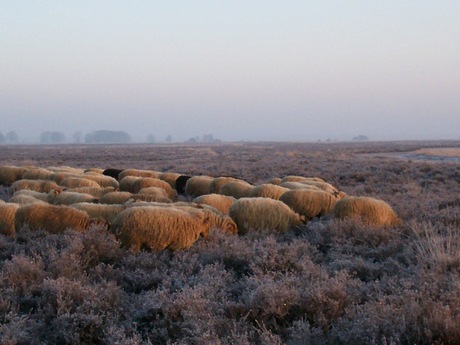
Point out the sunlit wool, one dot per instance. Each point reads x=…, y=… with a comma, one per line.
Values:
x=263, y=214
x=309, y=203
x=7, y=214
x=218, y=201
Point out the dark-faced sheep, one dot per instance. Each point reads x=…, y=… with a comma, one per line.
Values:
x=263, y=214
x=170, y=178
x=159, y=228
x=309, y=203
x=181, y=181
x=370, y=211
x=115, y=173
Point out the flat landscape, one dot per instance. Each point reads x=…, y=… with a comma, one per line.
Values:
x=328, y=282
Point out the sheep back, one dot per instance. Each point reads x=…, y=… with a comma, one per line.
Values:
x=267, y=191
x=198, y=185
x=218, y=201
x=309, y=203
x=7, y=214
x=236, y=189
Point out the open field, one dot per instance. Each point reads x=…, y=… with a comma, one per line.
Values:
x=329, y=282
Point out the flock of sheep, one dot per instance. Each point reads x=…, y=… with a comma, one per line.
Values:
x=165, y=210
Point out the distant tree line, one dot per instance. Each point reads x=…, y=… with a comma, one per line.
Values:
x=9, y=138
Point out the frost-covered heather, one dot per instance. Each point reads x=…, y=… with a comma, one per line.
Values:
x=330, y=282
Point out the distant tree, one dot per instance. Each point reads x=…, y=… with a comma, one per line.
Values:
x=192, y=140
x=77, y=137
x=107, y=137
x=360, y=138
x=168, y=138
x=150, y=138
x=48, y=137
x=2, y=138
x=12, y=137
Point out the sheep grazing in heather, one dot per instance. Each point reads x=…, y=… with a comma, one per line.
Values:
x=24, y=199
x=98, y=171
x=7, y=214
x=51, y=218
x=75, y=182
x=32, y=193
x=267, y=191
x=115, y=173
x=170, y=178
x=155, y=194
x=298, y=185
x=115, y=198
x=275, y=180
x=159, y=228
x=69, y=198
x=100, y=211
x=295, y=178
x=237, y=190
x=138, y=173
x=198, y=185
x=36, y=185
x=37, y=174
x=218, y=182
x=218, y=201
x=309, y=203
x=373, y=212
x=263, y=214
x=97, y=192
x=145, y=182
x=181, y=181
x=59, y=176
x=102, y=180
x=126, y=183
x=66, y=169
x=10, y=174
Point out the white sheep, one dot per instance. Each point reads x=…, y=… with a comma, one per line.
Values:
x=237, y=190
x=104, y=211
x=198, y=185
x=267, y=190
x=36, y=185
x=10, y=174
x=76, y=182
x=69, y=198
x=218, y=182
x=115, y=198
x=263, y=214
x=138, y=173
x=97, y=192
x=23, y=199
x=37, y=174
x=170, y=178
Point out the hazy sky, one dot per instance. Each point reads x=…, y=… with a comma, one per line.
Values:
x=240, y=70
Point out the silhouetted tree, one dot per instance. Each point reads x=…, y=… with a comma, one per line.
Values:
x=77, y=137
x=150, y=138
x=360, y=138
x=107, y=137
x=168, y=138
x=12, y=137
x=48, y=137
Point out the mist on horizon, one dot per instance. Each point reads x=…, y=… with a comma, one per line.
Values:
x=258, y=70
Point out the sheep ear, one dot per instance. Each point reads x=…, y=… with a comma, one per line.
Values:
x=303, y=219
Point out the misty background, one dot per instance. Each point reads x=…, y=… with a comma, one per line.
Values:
x=238, y=70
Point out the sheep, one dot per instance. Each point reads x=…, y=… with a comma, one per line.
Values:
x=218, y=182
x=237, y=190
x=97, y=171
x=10, y=174
x=153, y=194
x=37, y=185
x=69, y=198
x=218, y=201
x=97, y=192
x=115, y=173
x=198, y=185
x=53, y=219
x=59, y=176
x=298, y=185
x=373, y=212
x=151, y=198
x=102, y=180
x=267, y=191
x=181, y=181
x=138, y=173
x=7, y=214
x=115, y=198
x=75, y=182
x=126, y=183
x=95, y=211
x=159, y=228
x=66, y=169
x=145, y=182
x=170, y=178
x=275, y=180
x=37, y=174
x=263, y=214
x=23, y=199
x=295, y=178
x=327, y=187
x=309, y=203
x=32, y=193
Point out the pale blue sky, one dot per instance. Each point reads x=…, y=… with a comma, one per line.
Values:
x=241, y=70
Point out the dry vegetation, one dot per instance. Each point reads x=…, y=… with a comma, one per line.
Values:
x=329, y=282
